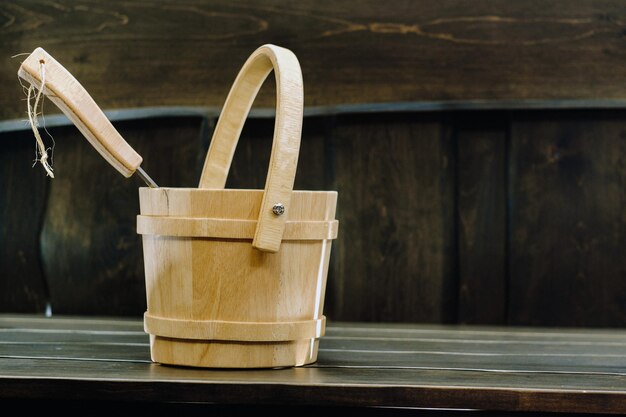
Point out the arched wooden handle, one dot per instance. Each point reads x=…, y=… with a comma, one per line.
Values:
x=287, y=131
x=68, y=95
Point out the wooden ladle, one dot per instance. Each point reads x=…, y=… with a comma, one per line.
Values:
x=68, y=95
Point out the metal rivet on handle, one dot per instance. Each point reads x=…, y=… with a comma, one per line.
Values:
x=278, y=209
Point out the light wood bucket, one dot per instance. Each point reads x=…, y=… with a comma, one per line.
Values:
x=236, y=278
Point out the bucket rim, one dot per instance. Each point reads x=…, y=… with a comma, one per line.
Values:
x=226, y=190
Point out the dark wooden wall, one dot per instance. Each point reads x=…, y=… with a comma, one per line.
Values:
x=489, y=217
x=479, y=150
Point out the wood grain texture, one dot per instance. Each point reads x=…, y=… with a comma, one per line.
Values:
x=90, y=249
x=360, y=365
x=394, y=257
x=377, y=52
x=481, y=212
x=568, y=223
x=23, y=195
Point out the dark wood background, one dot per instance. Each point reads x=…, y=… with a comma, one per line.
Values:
x=479, y=150
x=187, y=52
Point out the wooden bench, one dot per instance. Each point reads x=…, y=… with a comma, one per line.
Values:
x=360, y=365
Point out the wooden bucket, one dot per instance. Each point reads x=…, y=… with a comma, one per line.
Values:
x=236, y=278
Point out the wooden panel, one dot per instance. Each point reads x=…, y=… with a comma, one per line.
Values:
x=568, y=228
x=23, y=194
x=481, y=204
x=359, y=365
x=345, y=352
x=187, y=52
x=249, y=167
x=394, y=257
x=92, y=255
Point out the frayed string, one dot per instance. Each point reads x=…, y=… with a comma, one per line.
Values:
x=42, y=151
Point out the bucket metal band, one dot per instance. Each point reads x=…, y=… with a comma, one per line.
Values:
x=234, y=330
x=231, y=229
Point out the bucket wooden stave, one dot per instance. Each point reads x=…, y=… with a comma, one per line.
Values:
x=231, y=282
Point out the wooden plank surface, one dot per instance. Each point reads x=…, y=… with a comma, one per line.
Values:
x=481, y=166
x=568, y=229
x=394, y=257
x=389, y=365
x=187, y=52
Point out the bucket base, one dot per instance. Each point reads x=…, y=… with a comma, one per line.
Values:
x=229, y=354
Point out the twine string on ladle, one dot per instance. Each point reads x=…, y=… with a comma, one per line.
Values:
x=34, y=123
x=52, y=80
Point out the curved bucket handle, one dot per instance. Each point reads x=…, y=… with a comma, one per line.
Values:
x=286, y=145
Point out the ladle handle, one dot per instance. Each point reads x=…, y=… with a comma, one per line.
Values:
x=68, y=95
